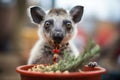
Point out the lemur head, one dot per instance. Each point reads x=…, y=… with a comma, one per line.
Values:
x=58, y=25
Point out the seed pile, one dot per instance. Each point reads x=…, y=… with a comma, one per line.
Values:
x=46, y=68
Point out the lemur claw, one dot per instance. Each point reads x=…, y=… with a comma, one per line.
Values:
x=92, y=64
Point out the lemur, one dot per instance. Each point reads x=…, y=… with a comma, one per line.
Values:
x=57, y=29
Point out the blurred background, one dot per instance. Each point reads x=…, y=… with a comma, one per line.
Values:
x=101, y=21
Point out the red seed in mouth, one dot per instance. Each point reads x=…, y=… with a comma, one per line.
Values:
x=56, y=51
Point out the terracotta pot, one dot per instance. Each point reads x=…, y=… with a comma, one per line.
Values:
x=86, y=74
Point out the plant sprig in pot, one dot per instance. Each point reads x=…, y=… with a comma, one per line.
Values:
x=71, y=63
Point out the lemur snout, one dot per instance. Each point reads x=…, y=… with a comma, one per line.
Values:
x=57, y=36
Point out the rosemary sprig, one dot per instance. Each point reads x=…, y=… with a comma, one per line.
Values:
x=71, y=63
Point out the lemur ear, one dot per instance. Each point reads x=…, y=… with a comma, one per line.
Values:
x=37, y=14
x=76, y=13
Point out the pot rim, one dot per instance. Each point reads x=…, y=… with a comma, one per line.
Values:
x=95, y=71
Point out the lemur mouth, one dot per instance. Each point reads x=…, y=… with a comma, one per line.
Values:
x=58, y=41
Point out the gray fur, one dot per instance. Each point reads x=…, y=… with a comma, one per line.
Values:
x=42, y=51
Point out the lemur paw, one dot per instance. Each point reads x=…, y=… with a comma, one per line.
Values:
x=92, y=64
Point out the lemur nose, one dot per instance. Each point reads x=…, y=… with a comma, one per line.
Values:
x=57, y=36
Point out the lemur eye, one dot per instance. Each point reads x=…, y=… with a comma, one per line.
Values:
x=47, y=25
x=68, y=25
